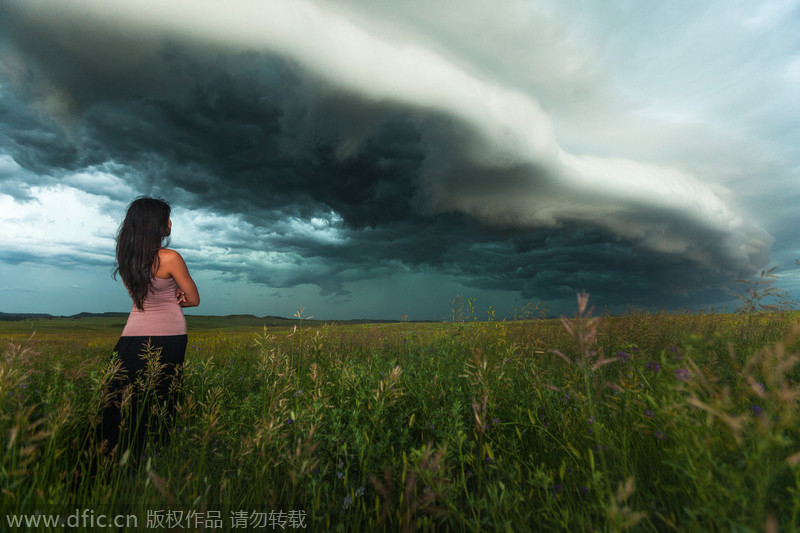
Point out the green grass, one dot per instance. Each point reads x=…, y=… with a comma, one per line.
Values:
x=642, y=422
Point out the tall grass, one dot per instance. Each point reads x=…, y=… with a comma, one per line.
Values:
x=643, y=422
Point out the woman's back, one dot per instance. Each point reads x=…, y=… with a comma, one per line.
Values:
x=162, y=314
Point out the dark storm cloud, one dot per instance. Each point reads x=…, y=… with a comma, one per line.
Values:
x=396, y=186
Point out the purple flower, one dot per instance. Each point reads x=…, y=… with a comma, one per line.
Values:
x=758, y=411
x=623, y=356
x=652, y=365
x=584, y=491
x=468, y=473
x=348, y=501
x=660, y=435
x=591, y=420
x=648, y=413
x=495, y=421
x=557, y=488
x=635, y=348
x=681, y=374
x=289, y=421
x=489, y=459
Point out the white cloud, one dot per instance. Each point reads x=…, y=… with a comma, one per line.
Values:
x=60, y=220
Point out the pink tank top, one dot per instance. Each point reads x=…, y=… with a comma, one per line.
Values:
x=162, y=313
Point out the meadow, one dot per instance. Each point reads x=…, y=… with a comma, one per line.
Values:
x=643, y=422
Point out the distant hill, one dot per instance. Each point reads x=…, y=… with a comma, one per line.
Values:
x=95, y=315
x=241, y=318
x=23, y=316
x=28, y=316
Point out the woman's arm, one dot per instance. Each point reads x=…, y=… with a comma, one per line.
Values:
x=188, y=296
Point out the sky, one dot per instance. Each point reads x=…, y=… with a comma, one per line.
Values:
x=375, y=159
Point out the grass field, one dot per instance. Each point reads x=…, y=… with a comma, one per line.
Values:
x=644, y=422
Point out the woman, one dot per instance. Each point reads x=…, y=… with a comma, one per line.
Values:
x=159, y=284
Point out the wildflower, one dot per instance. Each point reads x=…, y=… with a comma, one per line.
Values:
x=681, y=374
x=339, y=474
x=623, y=356
x=648, y=413
x=584, y=491
x=25, y=385
x=348, y=501
x=652, y=365
x=360, y=490
x=289, y=421
x=495, y=421
x=660, y=435
x=635, y=349
x=489, y=459
x=468, y=473
x=591, y=420
x=557, y=488
x=756, y=410
x=298, y=393
x=216, y=443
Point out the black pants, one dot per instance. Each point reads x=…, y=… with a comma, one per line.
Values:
x=147, y=397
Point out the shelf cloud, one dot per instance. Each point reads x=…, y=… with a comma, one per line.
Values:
x=511, y=147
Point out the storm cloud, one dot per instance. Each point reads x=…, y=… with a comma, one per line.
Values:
x=332, y=143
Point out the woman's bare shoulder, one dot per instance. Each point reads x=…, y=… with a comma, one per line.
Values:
x=167, y=259
x=168, y=254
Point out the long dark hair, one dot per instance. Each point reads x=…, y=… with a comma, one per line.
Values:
x=140, y=236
